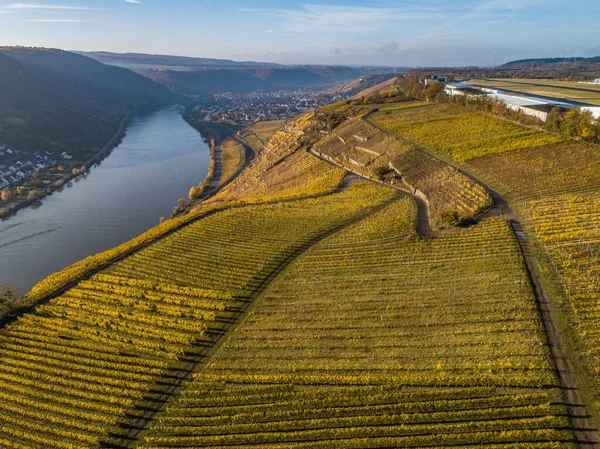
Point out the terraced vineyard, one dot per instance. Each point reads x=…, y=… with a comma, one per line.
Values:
x=452, y=197
x=307, y=368
x=284, y=170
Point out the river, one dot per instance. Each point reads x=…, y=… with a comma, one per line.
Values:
x=160, y=158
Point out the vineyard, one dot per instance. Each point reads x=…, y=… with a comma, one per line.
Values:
x=400, y=291
x=233, y=155
x=260, y=133
x=282, y=170
x=569, y=228
x=261, y=413
x=306, y=370
x=462, y=134
x=554, y=189
x=300, y=308
x=452, y=197
x=544, y=171
x=83, y=367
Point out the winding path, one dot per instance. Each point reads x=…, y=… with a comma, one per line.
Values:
x=423, y=225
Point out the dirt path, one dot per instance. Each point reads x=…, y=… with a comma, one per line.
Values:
x=137, y=428
x=585, y=434
x=423, y=225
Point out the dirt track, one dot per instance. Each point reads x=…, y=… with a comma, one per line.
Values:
x=423, y=225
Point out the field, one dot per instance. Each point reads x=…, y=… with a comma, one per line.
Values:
x=569, y=90
x=338, y=351
x=452, y=197
x=460, y=133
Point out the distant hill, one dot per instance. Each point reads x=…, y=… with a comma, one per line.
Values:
x=554, y=67
x=206, y=76
x=141, y=60
x=56, y=100
x=243, y=80
x=363, y=83
x=546, y=63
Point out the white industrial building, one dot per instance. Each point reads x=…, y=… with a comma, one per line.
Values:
x=596, y=81
x=527, y=104
x=461, y=89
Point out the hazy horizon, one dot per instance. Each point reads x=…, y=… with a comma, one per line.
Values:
x=383, y=32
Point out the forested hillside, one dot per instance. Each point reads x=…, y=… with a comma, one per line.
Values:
x=56, y=100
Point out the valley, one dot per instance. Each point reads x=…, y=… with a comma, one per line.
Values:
x=219, y=253
x=300, y=306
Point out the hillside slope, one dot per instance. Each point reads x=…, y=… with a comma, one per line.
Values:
x=298, y=308
x=56, y=100
x=243, y=80
x=553, y=64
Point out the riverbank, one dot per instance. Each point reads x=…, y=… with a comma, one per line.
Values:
x=57, y=184
x=218, y=175
x=160, y=157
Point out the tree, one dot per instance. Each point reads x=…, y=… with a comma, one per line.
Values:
x=554, y=119
x=196, y=191
x=570, y=123
x=36, y=179
x=433, y=90
x=8, y=293
x=6, y=195
x=587, y=128
x=33, y=195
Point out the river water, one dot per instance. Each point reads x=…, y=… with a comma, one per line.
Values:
x=160, y=158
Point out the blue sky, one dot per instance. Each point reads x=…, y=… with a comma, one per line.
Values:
x=381, y=32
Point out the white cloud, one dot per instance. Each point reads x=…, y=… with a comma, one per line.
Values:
x=508, y=5
x=56, y=20
x=40, y=6
x=317, y=18
x=133, y=1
